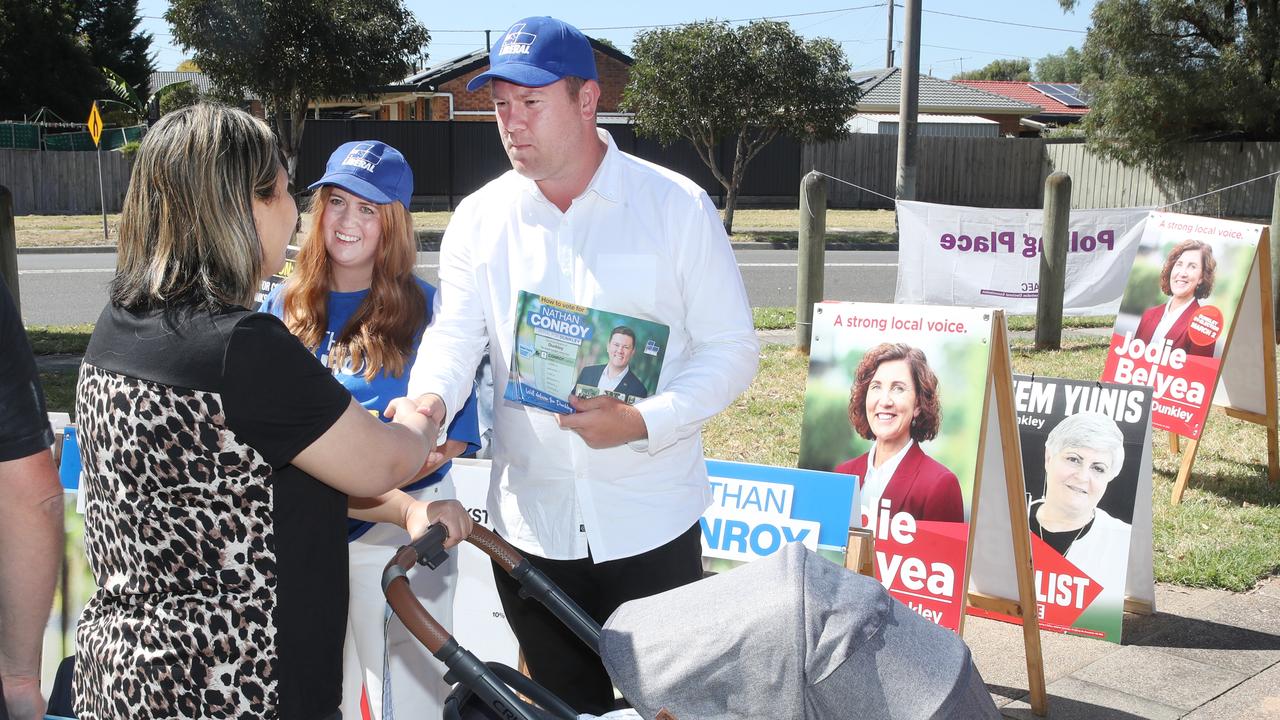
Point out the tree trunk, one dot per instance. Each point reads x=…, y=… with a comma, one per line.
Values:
x=289, y=133
x=730, y=202
x=740, y=161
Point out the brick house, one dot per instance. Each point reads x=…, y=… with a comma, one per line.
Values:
x=440, y=92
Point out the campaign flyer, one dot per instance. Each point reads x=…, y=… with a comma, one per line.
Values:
x=1086, y=456
x=562, y=349
x=756, y=509
x=895, y=397
x=1182, y=296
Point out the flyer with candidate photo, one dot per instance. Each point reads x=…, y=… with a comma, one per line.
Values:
x=1175, y=318
x=1086, y=456
x=895, y=396
x=563, y=349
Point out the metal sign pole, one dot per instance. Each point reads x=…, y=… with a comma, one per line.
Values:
x=102, y=197
x=95, y=132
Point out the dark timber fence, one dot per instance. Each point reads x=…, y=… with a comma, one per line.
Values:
x=453, y=159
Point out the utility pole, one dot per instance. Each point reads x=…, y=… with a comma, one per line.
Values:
x=909, y=103
x=888, y=41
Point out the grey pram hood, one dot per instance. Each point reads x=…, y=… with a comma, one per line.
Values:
x=789, y=636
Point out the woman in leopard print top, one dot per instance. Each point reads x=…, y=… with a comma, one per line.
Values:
x=218, y=452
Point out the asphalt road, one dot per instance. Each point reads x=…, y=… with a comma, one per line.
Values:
x=63, y=289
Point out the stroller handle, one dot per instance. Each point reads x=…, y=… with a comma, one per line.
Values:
x=486, y=682
x=429, y=550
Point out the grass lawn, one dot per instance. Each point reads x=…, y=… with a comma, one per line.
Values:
x=1222, y=535
x=766, y=225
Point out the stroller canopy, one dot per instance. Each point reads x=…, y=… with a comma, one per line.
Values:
x=789, y=636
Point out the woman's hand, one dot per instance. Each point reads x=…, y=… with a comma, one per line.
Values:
x=450, y=513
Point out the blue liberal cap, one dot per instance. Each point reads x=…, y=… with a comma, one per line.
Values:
x=538, y=51
x=371, y=169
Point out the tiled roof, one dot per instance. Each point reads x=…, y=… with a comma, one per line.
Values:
x=198, y=79
x=881, y=90
x=1023, y=92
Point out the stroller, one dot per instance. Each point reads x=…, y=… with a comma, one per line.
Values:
x=788, y=636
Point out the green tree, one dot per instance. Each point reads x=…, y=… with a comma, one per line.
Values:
x=131, y=101
x=184, y=95
x=1064, y=67
x=1166, y=72
x=298, y=51
x=46, y=64
x=111, y=29
x=1005, y=69
x=52, y=51
x=187, y=66
x=707, y=82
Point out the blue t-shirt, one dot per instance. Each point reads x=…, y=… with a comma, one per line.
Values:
x=383, y=388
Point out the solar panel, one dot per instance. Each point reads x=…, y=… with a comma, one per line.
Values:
x=1068, y=94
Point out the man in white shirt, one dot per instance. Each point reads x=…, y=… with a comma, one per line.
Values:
x=605, y=500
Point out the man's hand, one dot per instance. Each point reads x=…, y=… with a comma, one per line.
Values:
x=407, y=412
x=432, y=406
x=23, y=698
x=604, y=422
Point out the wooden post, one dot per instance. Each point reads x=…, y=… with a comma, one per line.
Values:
x=908, y=102
x=809, y=260
x=9, y=248
x=1053, y=261
x=1275, y=257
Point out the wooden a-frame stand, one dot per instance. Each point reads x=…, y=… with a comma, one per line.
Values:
x=1004, y=549
x=1251, y=338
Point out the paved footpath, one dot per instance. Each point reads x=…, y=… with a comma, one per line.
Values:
x=1204, y=655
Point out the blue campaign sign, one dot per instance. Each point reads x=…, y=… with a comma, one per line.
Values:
x=756, y=509
x=69, y=468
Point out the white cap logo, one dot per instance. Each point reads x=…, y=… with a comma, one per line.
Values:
x=517, y=41
x=365, y=156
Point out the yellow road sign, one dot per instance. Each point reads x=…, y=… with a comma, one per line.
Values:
x=95, y=124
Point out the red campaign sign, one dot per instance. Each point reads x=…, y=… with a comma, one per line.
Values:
x=922, y=565
x=1063, y=591
x=1182, y=384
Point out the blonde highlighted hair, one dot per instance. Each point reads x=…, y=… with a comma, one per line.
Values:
x=383, y=332
x=187, y=234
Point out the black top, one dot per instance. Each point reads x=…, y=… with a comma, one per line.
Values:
x=221, y=567
x=1059, y=541
x=24, y=424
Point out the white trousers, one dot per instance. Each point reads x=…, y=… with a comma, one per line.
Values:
x=417, y=685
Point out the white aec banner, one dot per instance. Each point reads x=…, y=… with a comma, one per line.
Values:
x=990, y=257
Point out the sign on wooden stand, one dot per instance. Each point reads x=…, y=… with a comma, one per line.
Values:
x=918, y=402
x=1196, y=325
x=1246, y=389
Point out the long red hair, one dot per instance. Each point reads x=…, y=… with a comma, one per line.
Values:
x=382, y=334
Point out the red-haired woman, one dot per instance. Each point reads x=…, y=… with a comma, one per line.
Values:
x=894, y=401
x=354, y=301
